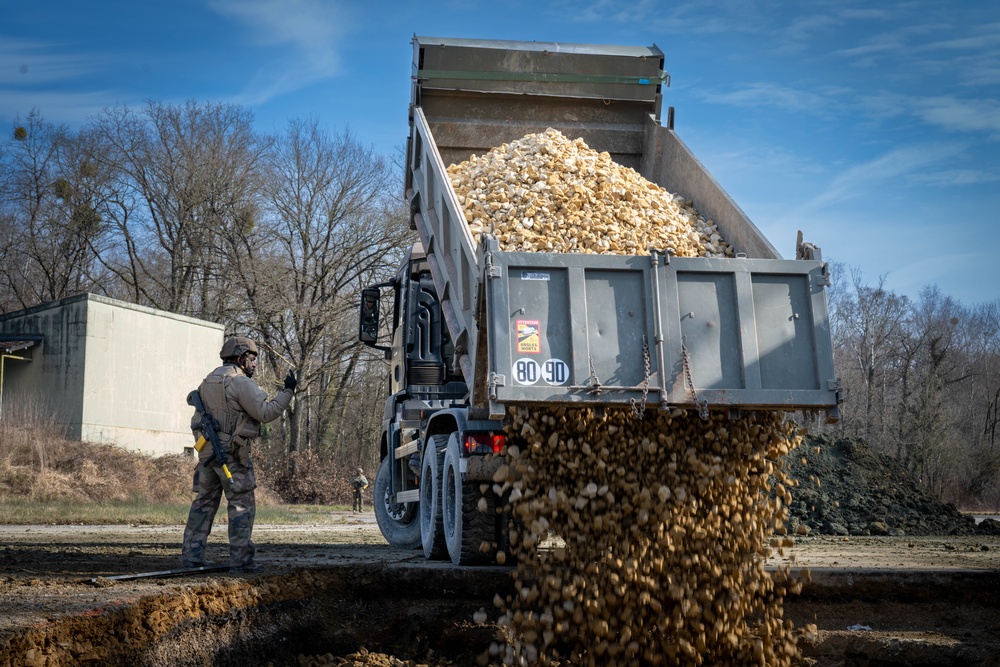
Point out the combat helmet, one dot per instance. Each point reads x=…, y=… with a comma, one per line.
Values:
x=237, y=346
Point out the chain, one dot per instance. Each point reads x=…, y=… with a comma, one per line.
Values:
x=640, y=411
x=686, y=365
x=595, y=382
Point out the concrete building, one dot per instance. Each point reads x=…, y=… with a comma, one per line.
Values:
x=106, y=370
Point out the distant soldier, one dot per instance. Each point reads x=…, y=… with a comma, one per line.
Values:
x=360, y=483
x=240, y=406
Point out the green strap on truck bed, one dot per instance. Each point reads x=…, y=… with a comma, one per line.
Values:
x=428, y=74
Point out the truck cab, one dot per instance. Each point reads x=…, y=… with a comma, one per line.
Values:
x=427, y=407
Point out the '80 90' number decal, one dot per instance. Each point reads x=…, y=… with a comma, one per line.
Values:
x=552, y=371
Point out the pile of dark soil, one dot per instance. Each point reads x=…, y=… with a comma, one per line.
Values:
x=848, y=488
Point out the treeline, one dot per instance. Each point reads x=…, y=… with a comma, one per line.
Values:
x=921, y=381
x=188, y=209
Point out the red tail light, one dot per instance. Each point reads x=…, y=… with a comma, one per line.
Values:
x=484, y=443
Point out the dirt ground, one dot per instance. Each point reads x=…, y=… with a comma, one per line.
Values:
x=46, y=571
x=872, y=592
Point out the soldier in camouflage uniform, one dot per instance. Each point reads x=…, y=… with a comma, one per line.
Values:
x=240, y=406
x=360, y=483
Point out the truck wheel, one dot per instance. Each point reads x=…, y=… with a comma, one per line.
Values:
x=466, y=526
x=399, y=522
x=431, y=523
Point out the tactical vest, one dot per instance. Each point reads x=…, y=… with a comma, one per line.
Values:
x=237, y=429
x=213, y=395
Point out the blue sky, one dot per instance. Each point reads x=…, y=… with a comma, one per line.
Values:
x=873, y=127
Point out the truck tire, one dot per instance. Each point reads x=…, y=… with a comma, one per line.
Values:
x=466, y=526
x=431, y=521
x=399, y=522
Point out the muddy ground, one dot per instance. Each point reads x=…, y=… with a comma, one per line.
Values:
x=877, y=600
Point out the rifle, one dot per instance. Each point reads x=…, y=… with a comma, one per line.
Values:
x=209, y=427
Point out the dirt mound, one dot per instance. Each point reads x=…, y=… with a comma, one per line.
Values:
x=848, y=488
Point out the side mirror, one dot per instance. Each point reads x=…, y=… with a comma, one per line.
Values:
x=368, y=328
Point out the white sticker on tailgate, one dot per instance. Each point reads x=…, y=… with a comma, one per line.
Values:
x=528, y=371
x=555, y=371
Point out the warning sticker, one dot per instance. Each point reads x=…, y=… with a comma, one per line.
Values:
x=529, y=340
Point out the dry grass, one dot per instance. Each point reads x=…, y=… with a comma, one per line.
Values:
x=46, y=477
x=37, y=462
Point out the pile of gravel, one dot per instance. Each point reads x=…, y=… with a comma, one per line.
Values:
x=863, y=492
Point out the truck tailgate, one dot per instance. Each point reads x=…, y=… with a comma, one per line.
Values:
x=656, y=331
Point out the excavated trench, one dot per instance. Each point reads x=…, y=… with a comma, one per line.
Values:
x=404, y=610
x=425, y=613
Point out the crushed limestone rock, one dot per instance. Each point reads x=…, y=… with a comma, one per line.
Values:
x=547, y=193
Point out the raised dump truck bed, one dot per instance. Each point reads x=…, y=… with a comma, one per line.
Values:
x=477, y=328
x=555, y=328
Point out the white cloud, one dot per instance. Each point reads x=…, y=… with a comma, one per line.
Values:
x=981, y=73
x=910, y=43
x=805, y=27
x=701, y=17
x=955, y=177
x=965, y=273
x=767, y=94
x=948, y=112
x=860, y=179
x=599, y=11
x=57, y=107
x=989, y=39
x=754, y=159
x=36, y=63
x=42, y=75
x=865, y=14
x=881, y=44
x=908, y=248
x=308, y=31
x=960, y=115
x=888, y=105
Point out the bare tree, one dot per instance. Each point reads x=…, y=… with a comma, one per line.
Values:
x=49, y=222
x=870, y=325
x=333, y=222
x=980, y=406
x=934, y=354
x=188, y=178
x=922, y=382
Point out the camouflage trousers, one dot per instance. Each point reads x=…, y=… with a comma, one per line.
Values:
x=357, y=500
x=209, y=485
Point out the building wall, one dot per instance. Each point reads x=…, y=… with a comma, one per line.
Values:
x=48, y=387
x=113, y=372
x=140, y=365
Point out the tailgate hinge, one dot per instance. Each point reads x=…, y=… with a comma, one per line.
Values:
x=491, y=270
x=837, y=387
x=496, y=380
x=825, y=279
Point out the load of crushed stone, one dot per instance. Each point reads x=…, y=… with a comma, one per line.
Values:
x=547, y=193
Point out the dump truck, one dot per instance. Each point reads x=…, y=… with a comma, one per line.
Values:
x=474, y=329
